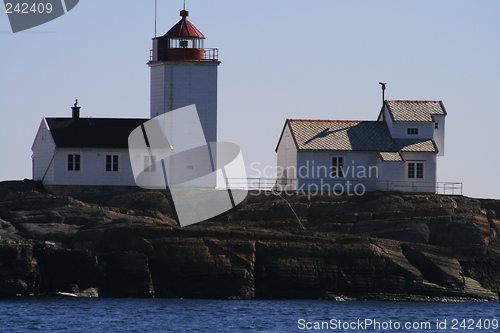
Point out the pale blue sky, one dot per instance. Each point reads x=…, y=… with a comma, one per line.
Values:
x=318, y=59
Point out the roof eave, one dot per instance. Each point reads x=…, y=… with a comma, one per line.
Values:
x=281, y=135
x=442, y=106
x=386, y=103
x=287, y=122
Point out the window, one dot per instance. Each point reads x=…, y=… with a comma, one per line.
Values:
x=149, y=164
x=74, y=162
x=337, y=167
x=112, y=163
x=412, y=131
x=436, y=125
x=415, y=170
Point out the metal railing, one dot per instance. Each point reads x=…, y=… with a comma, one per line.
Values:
x=336, y=185
x=209, y=54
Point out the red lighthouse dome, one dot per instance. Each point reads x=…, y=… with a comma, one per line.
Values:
x=183, y=42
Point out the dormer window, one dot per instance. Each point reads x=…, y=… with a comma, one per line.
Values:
x=412, y=131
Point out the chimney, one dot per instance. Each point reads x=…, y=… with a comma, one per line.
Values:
x=76, y=110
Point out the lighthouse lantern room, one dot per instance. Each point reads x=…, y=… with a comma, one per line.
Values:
x=183, y=42
x=183, y=72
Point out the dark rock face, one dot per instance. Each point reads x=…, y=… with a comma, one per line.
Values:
x=18, y=271
x=378, y=246
x=127, y=275
x=63, y=270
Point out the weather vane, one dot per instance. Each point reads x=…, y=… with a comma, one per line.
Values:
x=383, y=91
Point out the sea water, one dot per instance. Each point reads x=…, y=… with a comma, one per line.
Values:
x=188, y=315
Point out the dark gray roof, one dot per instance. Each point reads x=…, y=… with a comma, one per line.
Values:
x=420, y=111
x=92, y=132
x=345, y=135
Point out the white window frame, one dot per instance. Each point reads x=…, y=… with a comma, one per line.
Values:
x=149, y=163
x=412, y=135
x=113, y=163
x=413, y=166
x=339, y=166
x=74, y=163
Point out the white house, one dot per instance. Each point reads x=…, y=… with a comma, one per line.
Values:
x=83, y=151
x=95, y=151
x=397, y=152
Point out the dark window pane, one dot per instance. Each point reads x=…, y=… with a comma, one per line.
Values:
x=341, y=167
x=77, y=162
x=412, y=131
x=420, y=170
x=108, y=162
x=334, y=167
x=337, y=167
x=411, y=170
x=70, y=162
x=112, y=163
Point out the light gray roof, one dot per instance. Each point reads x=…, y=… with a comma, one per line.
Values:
x=416, y=145
x=346, y=135
x=341, y=135
x=389, y=156
x=421, y=111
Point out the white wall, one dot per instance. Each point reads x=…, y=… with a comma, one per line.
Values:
x=427, y=184
x=359, y=167
x=177, y=138
x=385, y=116
x=425, y=130
x=43, y=150
x=439, y=133
x=286, y=157
x=391, y=176
x=364, y=168
x=175, y=84
x=93, y=168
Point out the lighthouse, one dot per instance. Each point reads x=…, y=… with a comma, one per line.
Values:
x=184, y=72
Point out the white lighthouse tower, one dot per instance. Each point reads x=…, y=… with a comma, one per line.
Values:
x=183, y=72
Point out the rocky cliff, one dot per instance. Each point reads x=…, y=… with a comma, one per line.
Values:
x=384, y=246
